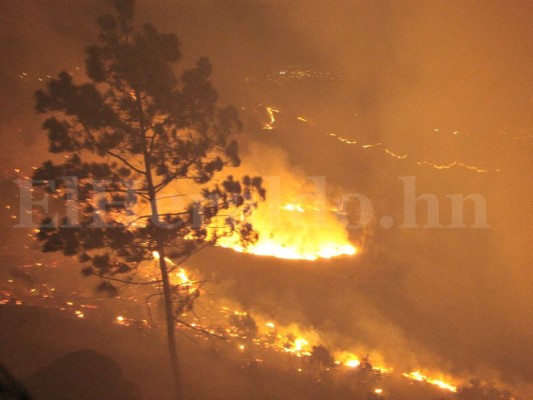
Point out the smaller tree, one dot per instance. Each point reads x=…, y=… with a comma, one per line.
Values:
x=321, y=357
x=244, y=325
x=321, y=362
x=366, y=376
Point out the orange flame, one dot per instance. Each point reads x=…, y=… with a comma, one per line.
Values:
x=441, y=383
x=296, y=232
x=270, y=124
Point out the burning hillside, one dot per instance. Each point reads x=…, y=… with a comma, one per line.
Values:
x=295, y=232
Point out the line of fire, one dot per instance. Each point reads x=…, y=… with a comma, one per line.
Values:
x=305, y=200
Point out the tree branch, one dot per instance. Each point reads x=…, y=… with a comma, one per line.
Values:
x=201, y=330
x=95, y=142
x=125, y=281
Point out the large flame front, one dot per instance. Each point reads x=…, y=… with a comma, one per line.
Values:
x=294, y=232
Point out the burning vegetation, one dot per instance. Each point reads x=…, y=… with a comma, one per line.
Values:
x=149, y=172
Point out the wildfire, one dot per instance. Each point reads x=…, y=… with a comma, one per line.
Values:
x=441, y=383
x=453, y=164
x=354, y=363
x=299, y=347
x=397, y=156
x=181, y=275
x=295, y=232
x=393, y=154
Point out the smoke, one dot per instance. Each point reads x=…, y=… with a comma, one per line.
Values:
x=441, y=82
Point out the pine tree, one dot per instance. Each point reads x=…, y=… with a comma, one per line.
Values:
x=128, y=136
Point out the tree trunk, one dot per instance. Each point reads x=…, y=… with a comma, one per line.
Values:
x=167, y=294
x=171, y=324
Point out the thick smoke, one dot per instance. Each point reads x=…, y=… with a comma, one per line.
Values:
x=410, y=75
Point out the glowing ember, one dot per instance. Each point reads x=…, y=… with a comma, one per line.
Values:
x=270, y=125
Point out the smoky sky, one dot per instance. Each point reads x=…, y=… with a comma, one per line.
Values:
x=407, y=68
x=408, y=74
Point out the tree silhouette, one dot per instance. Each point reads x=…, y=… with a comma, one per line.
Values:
x=10, y=388
x=129, y=137
x=366, y=376
x=244, y=325
x=322, y=357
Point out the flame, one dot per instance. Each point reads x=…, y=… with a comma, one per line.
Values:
x=367, y=146
x=393, y=154
x=270, y=124
x=441, y=383
x=453, y=164
x=293, y=207
x=354, y=363
x=295, y=232
x=350, y=360
x=181, y=274
x=347, y=359
x=156, y=256
x=290, y=224
x=300, y=347
x=343, y=140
